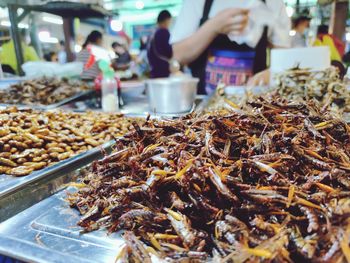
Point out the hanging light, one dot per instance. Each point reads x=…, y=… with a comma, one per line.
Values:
x=53, y=20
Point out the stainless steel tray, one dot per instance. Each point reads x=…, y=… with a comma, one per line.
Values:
x=48, y=232
x=19, y=193
x=50, y=106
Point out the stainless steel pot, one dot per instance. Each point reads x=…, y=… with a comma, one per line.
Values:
x=171, y=95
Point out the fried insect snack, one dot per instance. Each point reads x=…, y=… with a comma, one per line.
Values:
x=41, y=91
x=296, y=84
x=268, y=182
x=323, y=86
x=32, y=140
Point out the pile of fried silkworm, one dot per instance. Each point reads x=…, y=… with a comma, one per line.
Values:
x=31, y=140
x=41, y=91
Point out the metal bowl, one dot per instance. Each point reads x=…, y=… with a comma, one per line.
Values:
x=132, y=89
x=171, y=95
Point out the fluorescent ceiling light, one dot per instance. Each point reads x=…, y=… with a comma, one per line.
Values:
x=138, y=17
x=5, y=23
x=44, y=36
x=292, y=33
x=53, y=20
x=8, y=24
x=52, y=40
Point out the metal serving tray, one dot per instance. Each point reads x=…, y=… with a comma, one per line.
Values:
x=48, y=232
x=50, y=106
x=19, y=193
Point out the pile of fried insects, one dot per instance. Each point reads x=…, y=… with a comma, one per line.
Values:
x=268, y=182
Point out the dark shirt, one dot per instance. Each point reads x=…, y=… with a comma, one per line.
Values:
x=122, y=62
x=160, y=48
x=124, y=58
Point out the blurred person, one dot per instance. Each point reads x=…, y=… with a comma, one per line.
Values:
x=220, y=42
x=123, y=59
x=90, y=72
x=346, y=58
x=142, y=59
x=8, y=55
x=62, y=54
x=144, y=40
x=336, y=46
x=300, y=25
x=160, y=51
x=51, y=57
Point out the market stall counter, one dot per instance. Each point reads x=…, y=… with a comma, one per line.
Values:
x=272, y=171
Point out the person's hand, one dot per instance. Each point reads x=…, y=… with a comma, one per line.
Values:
x=230, y=21
x=260, y=79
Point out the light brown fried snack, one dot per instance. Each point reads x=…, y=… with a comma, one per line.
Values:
x=47, y=138
x=31, y=136
x=6, y=155
x=91, y=142
x=4, y=169
x=7, y=162
x=21, y=160
x=56, y=149
x=20, y=171
x=35, y=165
x=4, y=132
x=7, y=137
x=63, y=156
x=54, y=155
x=17, y=144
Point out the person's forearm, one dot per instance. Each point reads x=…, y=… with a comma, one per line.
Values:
x=192, y=47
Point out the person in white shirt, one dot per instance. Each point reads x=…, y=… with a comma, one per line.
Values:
x=62, y=54
x=300, y=25
x=227, y=41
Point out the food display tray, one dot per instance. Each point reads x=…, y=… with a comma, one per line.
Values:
x=50, y=106
x=48, y=232
x=19, y=193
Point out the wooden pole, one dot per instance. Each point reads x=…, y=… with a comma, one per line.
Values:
x=339, y=16
x=69, y=39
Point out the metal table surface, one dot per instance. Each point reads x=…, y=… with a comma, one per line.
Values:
x=48, y=232
x=77, y=96
x=19, y=193
x=137, y=106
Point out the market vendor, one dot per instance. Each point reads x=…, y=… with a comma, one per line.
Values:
x=221, y=42
x=91, y=69
x=8, y=57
